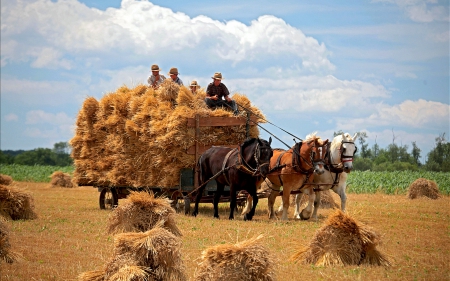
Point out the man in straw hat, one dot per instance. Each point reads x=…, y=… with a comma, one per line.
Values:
x=155, y=79
x=215, y=93
x=173, y=73
x=194, y=86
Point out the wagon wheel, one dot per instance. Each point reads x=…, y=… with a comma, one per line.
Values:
x=180, y=202
x=109, y=198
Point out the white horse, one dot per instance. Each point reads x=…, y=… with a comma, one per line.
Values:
x=338, y=163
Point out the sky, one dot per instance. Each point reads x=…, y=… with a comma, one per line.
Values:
x=380, y=66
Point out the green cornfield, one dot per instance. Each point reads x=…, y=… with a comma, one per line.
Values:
x=32, y=173
x=393, y=182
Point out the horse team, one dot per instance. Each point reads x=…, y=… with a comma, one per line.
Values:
x=309, y=167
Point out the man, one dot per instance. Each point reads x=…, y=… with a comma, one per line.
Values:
x=215, y=93
x=155, y=79
x=194, y=87
x=173, y=73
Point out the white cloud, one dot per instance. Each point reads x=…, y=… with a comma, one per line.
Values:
x=140, y=28
x=11, y=117
x=422, y=10
x=310, y=93
x=42, y=117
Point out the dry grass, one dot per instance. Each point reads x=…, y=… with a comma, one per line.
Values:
x=61, y=179
x=423, y=188
x=5, y=179
x=69, y=237
x=16, y=203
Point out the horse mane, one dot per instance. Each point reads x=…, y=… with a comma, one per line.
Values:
x=313, y=137
x=336, y=143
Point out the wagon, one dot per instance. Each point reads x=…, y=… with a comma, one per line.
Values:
x=186, y=191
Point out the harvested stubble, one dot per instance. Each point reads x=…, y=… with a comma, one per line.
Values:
x=326, y=200
x=247, y=260
x=5, y=179
x=61, y=179
x=16, y=204
x=423, y=187
x=142, y=212
x=138, y=137
x=6, y=254
x=150, y=255
x=342, y=241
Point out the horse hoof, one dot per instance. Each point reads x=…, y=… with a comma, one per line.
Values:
x=194, y=214
x=303, y=217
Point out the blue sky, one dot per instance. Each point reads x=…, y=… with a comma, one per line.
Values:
x=380, y=67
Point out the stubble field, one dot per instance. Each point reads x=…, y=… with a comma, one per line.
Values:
x=69, y=237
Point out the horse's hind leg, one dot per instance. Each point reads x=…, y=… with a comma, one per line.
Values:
x=270, y=202
x=298, y=200
x=216, y=200
x=316, y=205
x=248, y=205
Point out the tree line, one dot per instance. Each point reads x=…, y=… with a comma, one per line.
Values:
x=400, y=157
x=392, y=158
x=58, y=156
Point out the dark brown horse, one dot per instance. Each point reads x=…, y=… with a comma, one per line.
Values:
x=242, y=168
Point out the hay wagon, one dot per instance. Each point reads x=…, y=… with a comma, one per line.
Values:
x=185, y=192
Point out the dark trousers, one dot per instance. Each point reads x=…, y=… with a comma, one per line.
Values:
x=222, y=103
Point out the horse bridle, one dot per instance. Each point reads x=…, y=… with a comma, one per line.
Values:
x=246, y=167
x=343, y=158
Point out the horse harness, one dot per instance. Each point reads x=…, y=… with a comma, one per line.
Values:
x=296, y=159
x=240, y=165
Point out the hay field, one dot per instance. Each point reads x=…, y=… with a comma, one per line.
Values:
x=70, y=237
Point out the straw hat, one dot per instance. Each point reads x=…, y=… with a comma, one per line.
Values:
x=155, y=67
x=173, y=70
x=194, y=84
x=217, y=76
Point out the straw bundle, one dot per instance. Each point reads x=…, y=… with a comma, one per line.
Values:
x=138, y=137
x=154, y=254
x=94, y=275
x=5, y=179
x=423, y=187
x=326, y=200
x=247, y=260
x=6, y=254
x=16, y=204
x=342, y=241
x=142, y=212
x=59, y=178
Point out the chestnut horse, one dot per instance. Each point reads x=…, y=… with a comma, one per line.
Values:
x=338, y=163
x=293, y=170
x=242, y=168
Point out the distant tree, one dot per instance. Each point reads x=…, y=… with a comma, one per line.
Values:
x=439, y=156
x=38, y=156
x=340, y=132
x=61, y=148
x=415, y=152
x=364, y=152
x=6, y=158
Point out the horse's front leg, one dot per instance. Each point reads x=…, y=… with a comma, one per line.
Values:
x=286, y=196
x=232, y=202
x=306, y=212
x=298, y=200
x=340, y=190
x=250, y=215
x=216, y=199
